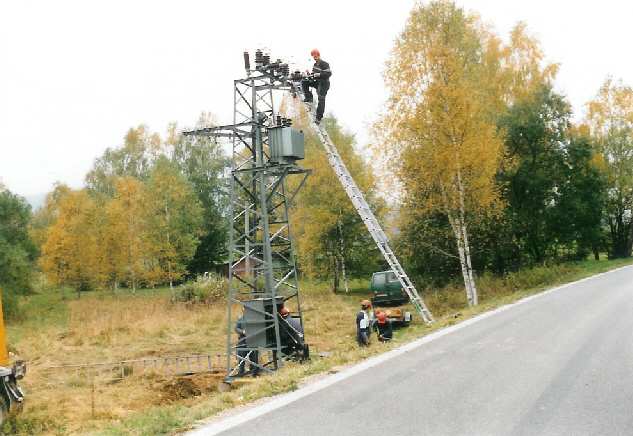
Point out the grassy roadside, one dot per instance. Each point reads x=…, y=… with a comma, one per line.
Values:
x=447, y=304
x=127, y=326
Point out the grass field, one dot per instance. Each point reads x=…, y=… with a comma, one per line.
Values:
x=104, y=327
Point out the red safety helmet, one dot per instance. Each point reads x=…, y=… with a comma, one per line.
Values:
x=284, y=312
x=315, y=52
x=382, y=317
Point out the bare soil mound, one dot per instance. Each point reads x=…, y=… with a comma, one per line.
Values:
x=190, y=386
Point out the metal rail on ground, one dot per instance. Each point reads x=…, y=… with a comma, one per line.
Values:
x=167, y=366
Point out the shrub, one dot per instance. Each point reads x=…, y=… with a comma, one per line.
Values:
x=205, y=289
x=10, y=306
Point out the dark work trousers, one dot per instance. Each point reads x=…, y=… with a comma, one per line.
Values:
x=362, y=336
x=253, y=358
x=241, y=353
x=322, y=87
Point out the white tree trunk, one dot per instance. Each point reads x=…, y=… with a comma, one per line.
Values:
x=459, y=238
x=458, y=225
x=341, y=255
x=469, y=266
x=464, y=232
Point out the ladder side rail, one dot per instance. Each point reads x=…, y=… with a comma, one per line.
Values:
x=354, y=192
x=368, y=217
x=406, y=283
x=372, y=224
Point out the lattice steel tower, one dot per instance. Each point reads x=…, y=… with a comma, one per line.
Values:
x=262, y=267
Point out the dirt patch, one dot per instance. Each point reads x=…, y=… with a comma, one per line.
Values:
x=185, y=387
x=208, y=382
x=179, y=389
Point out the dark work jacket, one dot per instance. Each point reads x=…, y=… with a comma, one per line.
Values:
x=385, y=330
x=324, y=68
x=239, y=329
x=290, y=331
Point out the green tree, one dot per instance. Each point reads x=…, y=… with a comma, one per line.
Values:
x=174, y=217
x=328, y=231
x=46, y=215
x=135, y=158
x=440, y=124
x=555, y=188
x=610, y=118
x=450, y=80
x=200, y=160
x=17, y=251
x=204, y=164
x=428, y=245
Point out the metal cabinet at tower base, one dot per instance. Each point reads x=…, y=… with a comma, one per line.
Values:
x=259, y=322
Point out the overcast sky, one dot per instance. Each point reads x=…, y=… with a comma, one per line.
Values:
x=75, y=75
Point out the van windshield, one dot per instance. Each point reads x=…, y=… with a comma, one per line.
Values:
x=379, y=280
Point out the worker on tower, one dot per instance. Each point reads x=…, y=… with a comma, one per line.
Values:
x=319, y=79
x=383, y=327
x=363, y=323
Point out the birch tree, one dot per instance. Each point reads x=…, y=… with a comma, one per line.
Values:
x=174, y=215
x=610, y=118
x=443, y=76
x=204, y=164
x=69, y=253
x=135, y=159
x=17, y=251
x=450, y=79
x=126, y=235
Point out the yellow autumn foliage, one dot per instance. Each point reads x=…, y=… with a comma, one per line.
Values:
x=322, y=202
x=69, y=255
x=144, y=235
x=450, y=78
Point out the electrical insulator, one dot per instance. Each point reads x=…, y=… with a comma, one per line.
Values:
x=259, y=58
x=266, y=59
x=247, y=61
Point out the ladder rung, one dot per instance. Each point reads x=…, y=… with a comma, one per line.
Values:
x=363, y=209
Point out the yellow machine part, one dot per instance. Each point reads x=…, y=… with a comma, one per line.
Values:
x=4, y=352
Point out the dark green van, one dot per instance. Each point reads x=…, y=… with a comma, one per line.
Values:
x=387, y=289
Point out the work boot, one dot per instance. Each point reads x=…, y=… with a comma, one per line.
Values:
x=317, y=121
x=307, y=100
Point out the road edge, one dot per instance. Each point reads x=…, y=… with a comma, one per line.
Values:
x=223, y=423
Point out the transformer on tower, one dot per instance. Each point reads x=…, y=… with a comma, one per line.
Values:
x=263, y=303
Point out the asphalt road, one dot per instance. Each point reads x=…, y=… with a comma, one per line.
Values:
x=558, y=364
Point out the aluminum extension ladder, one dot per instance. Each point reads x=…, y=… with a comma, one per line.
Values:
x=368, y=217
